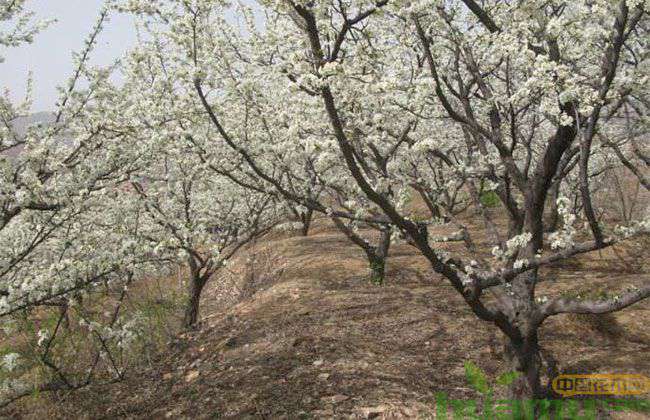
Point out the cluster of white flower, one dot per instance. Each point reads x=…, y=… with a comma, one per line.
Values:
x=634, y=229
x=42, y=336
x=541, y=299
x=564, y=237
x=521, y=263
x=513, y=245
x=10, y=361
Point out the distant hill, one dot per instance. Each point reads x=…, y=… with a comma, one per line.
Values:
x=23, y=123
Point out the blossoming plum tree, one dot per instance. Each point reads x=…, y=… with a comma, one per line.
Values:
x=57, y=194
x=53, y=168
x=197, y=219
x=515, y=97
x=287, y=158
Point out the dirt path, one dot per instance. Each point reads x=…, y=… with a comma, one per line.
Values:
x=313, y=338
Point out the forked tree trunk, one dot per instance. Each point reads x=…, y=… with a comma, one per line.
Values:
x=195, y=288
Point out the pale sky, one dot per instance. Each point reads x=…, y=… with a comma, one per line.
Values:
x=49, y=57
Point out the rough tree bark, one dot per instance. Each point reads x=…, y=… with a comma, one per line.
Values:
x=195, y=287
x=377, y=257
x=524, y=357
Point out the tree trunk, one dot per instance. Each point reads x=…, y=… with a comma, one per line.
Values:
x=524, y=358
x=553, y=219
x=522, y=352
x=193, y=300
x=305, y=219
x=376, y=255
x=377, y=270
x=377, y=258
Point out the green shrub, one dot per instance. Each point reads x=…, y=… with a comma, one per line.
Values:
x=490, y=199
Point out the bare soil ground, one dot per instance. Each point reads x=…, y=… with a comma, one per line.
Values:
x=295, y=330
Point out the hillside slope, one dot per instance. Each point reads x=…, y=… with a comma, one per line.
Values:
x=296, y=329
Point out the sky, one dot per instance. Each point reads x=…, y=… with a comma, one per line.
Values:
x=49, y=57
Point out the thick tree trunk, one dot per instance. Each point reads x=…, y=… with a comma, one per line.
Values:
x=522, y=352
x=195, y=288
x=524, y=358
